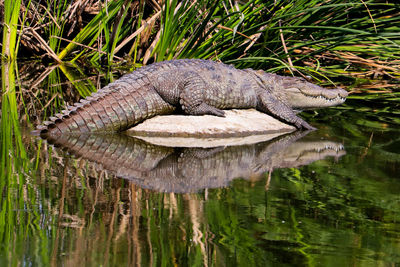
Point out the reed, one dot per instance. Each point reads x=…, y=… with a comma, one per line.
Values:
x=353, y=39
x=89, y=34
x=10, y=20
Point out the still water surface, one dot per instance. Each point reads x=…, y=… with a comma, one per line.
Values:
x=327, y=198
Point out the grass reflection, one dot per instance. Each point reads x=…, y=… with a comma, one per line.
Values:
x=14, y=166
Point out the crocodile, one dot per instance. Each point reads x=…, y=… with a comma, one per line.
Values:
x=193, y=87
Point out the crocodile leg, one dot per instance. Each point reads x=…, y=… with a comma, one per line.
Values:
x=269, y=104
x=192, y=97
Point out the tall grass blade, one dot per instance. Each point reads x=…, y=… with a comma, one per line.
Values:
x=117, y=30
x=10, y=21
x=89, y=34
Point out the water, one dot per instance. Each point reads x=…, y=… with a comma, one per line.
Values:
x=329, y=198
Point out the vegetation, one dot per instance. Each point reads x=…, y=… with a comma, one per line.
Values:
x=318, y=38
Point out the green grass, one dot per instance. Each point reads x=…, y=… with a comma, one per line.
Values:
x=10, y=20
x=318, y=38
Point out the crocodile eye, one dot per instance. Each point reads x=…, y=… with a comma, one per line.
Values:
x=298, y=80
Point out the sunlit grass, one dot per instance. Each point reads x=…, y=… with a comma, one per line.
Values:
x=325, y=38
x=91, y=32
x=10, y=20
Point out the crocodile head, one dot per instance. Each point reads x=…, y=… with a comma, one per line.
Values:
x=300, y=94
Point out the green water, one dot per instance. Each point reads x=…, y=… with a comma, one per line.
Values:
x=302, y=203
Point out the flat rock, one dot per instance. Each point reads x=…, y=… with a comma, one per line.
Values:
x=238, y=127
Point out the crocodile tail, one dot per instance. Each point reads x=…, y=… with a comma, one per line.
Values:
x=116, y=107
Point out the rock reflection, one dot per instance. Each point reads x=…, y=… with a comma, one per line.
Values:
x=184, y=170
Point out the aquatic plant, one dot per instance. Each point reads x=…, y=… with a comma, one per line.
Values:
x=10, y=19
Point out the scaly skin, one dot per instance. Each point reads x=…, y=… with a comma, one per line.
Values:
x=196, y=87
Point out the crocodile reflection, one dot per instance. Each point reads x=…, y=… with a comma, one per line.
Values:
x=182, y=170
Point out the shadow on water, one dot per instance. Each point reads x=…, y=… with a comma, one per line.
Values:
x=116, y=200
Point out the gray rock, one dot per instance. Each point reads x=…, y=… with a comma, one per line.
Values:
x=238, y=127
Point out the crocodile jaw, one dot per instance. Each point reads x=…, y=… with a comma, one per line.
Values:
x=311, y=97
x=298, y=93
